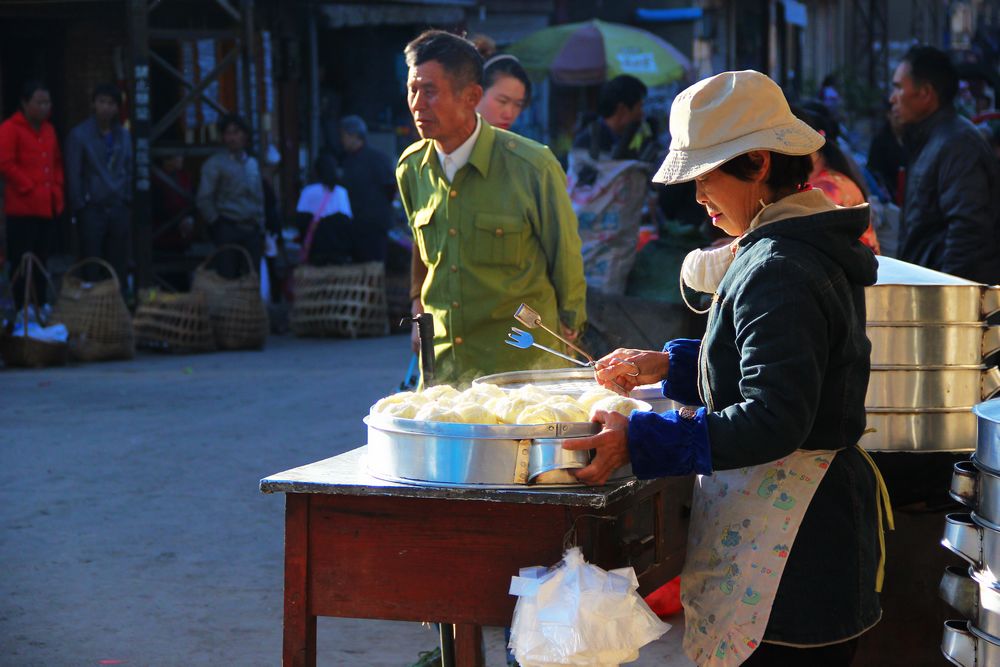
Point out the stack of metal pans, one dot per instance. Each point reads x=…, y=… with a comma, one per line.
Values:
x=933, y=358
x=974, y=591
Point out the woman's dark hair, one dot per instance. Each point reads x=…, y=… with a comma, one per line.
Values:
x=788, y=172
x=817, y=116
x=29, y=89
x=457, y=56
x=327, y=170
x=506, y=65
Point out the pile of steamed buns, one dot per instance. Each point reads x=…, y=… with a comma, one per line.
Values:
x=489, y=404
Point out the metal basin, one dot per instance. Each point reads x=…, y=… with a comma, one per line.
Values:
x=975, y=599
x=976, y=540
x=920, y=431
x=933, y=344
x=978, y=489
x=904, y=388
x=962, y=645
x=988, y=438
x=909, y=293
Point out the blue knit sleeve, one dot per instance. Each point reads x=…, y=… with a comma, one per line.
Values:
x=681, y=384
x=661, y=445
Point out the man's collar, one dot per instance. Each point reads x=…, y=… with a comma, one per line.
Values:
x=917, y=134
x=482, y=147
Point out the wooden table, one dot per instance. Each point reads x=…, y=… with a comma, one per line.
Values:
x=360, y=547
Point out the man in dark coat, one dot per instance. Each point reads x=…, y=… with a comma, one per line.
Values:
x=951, y=211
x=370, y=181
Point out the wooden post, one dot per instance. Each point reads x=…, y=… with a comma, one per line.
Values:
x=142, y=213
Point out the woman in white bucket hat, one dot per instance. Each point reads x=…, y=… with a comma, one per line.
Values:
x=784, y=558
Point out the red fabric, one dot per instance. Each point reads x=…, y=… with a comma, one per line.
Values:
x=842, y=191
x=31, y=166
x=666, y=600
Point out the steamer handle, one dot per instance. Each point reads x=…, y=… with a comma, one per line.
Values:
x=425, y=330
x=991, y=301
x=991, y=345
x=991, y=383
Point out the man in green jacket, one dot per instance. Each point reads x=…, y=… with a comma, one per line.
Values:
x=492, y=221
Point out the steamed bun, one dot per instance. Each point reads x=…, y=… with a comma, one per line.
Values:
x=397, y=403
x=440, y=391
x=481, y=393
x=544, y=414
x=435, y=412
x=574, y=411
x=531, y=393
x=475, y=413
x=591, y=396
x=398, y=410
x=509, y=407
x=615, y=403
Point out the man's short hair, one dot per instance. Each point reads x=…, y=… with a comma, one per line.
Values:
x=933, y=66
x=458, y=56
x=354, y=125
x=623, y=89
x=233, y=119
x=107, y=90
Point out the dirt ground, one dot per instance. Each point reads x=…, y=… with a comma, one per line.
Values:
x=132, y=530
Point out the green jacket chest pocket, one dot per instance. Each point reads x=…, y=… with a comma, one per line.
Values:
x=499, y=239
x=425, y=233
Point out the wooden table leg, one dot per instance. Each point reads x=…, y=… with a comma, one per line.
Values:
x=299, y=641
x=469, y=646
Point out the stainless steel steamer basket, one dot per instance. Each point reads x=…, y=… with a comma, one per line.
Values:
x=909, y=293
x=920, y=430
x=974, y=597
x=976, y=540
x=977, y=488
x=964, y=646
x=988, y=439
x=940, y=344
x=914, y=387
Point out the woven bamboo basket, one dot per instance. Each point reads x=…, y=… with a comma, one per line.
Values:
x=235, y=308
x=95, y=313
x=173, y=322
x=344, y=300
x=25, y=351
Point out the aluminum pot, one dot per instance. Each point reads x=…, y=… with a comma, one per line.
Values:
x=988, y=438
x=924, y=430
x=978, y=489
x=910, y=293
x=961, y=344
x=974, y=539
x=964, y=646
x=903, y=388
x=974, y=597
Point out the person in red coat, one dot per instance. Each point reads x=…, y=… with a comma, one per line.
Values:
x=31, y=167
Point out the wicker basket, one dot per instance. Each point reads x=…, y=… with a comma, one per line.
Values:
x=25, y=351
x=346, y=300
x=173, y=322
x=99, y=323
x=235, y=307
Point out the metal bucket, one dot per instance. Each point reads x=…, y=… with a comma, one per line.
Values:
x=988, y=438
x=905, y=388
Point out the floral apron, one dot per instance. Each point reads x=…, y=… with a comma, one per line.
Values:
x=743, y=525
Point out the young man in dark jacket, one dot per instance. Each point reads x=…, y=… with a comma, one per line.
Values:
x=951, y=210
x=99, y=183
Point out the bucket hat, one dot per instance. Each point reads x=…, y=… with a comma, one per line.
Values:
x=727, y=115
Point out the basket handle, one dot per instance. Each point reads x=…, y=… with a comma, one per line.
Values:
x=229, y=246
x=95, y=260
x=30, y=296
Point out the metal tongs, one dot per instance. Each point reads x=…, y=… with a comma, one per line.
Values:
x=522, y=339
x=531, y=319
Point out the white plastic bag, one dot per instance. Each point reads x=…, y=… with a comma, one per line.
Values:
x=578, y=614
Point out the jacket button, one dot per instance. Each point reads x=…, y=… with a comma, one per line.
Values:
x=452, y=232
x=511, y=144
x=458, y=340
x=499, y=232
x=453, y=194
x=454, y=268
x=454, y=304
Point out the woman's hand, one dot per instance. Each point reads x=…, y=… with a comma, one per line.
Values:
x=625, y=369
x=611, y=446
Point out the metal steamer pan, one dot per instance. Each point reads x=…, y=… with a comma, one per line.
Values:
x=977, y=488
x=976, y=540
x=952, y=430
x=914, y=387
x=934, y=344
x=974, y=597
x=964, y=645
x=909, y=293
x=988, y=439
x=477, y=455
